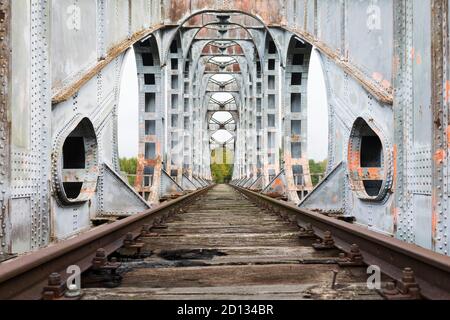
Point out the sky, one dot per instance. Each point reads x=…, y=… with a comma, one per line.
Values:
x=128, y=114
x=317, y=110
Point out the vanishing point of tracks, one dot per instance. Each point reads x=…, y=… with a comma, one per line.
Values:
x=228, y=243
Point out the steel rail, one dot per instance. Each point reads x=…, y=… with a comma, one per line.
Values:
x=25, y=277
x=432, y=270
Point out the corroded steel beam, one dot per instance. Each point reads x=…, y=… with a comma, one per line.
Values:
x=5, y=124
x=62, y=94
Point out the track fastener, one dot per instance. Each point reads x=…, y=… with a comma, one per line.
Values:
x=130, y=243
x=306, y=232
x=55, y=288
x=145, y=231
x=157, y=222
x=353, y=259
x=100, y=262
x=325, y=244
x=104, y=272
x=406, y=289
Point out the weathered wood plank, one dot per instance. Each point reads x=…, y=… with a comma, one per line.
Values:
x=355, y=291
x=242, y=275
x=225, y=247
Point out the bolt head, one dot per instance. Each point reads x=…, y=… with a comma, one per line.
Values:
x=354, y=248
x=408, y=275
x=101, y=253
x=54, y=279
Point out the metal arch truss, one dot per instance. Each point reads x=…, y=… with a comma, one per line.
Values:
x=389, y=122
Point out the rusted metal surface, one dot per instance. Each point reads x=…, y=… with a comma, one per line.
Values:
x=391, y=255
x=62, y=94
x=374, y=54
x=376, y=171
x=383, y=93
x=26, y=276
x=5, y=125
x=271, y=11
x=440, y=114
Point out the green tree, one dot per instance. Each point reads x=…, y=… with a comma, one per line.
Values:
x=129, y=166
x=221, y=165
x=316, y=169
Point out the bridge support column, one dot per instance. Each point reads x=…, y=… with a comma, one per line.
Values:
x=5, y=125
x=295, y=124
x=270, y=117
x=152, y=140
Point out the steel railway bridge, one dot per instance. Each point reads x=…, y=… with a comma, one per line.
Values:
x=386, y=69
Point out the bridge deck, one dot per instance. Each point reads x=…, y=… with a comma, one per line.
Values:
x=225, y=247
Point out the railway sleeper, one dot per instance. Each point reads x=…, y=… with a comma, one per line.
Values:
x=208, y=267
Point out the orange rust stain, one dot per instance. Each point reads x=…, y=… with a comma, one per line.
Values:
x=377, y=76
x=395, y=64
x=419, y=59
x=413, y=53
x=195, y=20
x=245, y=5
x=204, y=33
x=360, y=172
x=447, y=91
x=206, y=49
x=278, y=183
x=439, y=156
x=238, y=49
x=448, y=136
x=386, y=84
x=434, y=223
x=367, y=173
x=269, y=10
x=374, y=173
x=353, y=160
x=178, y=9
x=434, y=217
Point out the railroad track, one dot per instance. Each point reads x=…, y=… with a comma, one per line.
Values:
x=225, y=243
